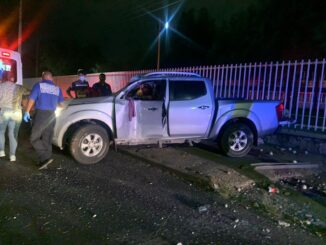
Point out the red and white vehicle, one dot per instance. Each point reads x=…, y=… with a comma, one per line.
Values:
x=10, y=61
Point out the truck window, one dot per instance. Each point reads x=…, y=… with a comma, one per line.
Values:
x=187, y=90
x=149, y=90
x=8, y=67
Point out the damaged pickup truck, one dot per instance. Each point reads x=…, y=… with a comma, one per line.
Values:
x=163, y=108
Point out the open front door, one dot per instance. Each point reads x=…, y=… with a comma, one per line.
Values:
x=139, y=115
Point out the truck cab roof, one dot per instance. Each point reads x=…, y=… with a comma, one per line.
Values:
x=173, y=75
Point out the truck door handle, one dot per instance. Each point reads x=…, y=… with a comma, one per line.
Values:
x=152, y=109
x=203, y=107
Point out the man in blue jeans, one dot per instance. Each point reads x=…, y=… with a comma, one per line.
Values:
x=46, y=96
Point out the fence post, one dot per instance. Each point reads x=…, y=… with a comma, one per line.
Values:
x=248, y=84
x=324, y=120
x=253, y=82
x=258, y=81
x=275, y=80
x=235, y=79
x=217, y=81
x=239, y=81
x=226, y=80
x=244, y=80
x=287, y=84
x=305, y=94
x=269, y=79
x=319, y=97
x=264, y=82
x=230, y=83
x=312, y=95
x=222, y=78
x=299, y=90
x=214, y=79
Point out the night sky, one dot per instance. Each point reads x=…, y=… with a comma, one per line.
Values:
x=102, y=35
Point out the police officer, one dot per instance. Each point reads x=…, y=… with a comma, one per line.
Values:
x=80, y=87
x=46, y=96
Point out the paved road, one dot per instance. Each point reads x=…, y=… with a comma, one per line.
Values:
x=122, y=201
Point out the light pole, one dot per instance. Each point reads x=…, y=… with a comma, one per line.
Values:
x=166, y=27
x=20, y=26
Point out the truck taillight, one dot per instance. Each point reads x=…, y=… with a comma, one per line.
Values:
x=279, y=111
x=5, y=54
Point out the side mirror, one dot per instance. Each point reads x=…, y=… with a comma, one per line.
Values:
x=122, y=94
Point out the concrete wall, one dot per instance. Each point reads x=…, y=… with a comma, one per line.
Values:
x=117, y=80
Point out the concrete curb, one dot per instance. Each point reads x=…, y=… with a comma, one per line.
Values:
x=205, y=173
x=301, y=142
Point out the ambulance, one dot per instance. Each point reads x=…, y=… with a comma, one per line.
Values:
x=10, y=61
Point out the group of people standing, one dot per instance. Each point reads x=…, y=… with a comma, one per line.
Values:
x=44, y=97
x=82, y=89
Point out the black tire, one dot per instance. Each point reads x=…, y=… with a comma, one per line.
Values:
x=89, y=144
x=236, y=140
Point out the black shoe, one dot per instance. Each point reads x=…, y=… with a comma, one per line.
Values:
x=44, y=164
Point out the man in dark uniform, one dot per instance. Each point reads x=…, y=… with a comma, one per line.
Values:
x=80, y=87
x=102, y=88
x=46, y=96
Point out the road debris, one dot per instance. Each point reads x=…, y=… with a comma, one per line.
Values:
x=273, y=189
x=283, y=223
x=203, y=208
x=266, y=230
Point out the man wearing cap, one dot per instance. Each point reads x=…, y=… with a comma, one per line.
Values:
x=46, y=96
x=80, y=87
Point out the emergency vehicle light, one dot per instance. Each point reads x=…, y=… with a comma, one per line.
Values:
x=5, y=54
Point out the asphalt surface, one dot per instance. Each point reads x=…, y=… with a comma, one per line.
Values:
x=122, y=200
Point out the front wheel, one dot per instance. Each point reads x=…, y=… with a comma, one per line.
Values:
x=236, y=140
x=89, y=144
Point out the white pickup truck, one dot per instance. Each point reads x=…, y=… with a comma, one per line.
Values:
x=163, y=108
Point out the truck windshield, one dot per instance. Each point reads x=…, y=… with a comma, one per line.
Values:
x=8, y=69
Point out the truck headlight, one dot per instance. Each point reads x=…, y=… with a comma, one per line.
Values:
x=58, y=111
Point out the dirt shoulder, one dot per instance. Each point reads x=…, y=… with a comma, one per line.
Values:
x=237, y=180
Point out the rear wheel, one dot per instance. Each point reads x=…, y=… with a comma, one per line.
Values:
x=89, y=144
x=236, y=140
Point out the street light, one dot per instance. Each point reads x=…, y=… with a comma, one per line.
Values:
x=166, y=27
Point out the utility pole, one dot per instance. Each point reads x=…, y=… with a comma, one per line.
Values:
x=158, y=46
x=20, y=26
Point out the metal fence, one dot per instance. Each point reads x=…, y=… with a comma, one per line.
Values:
x=300, y=85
